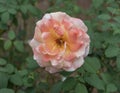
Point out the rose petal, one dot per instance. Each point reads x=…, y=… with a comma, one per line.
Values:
x=68, y=55
x=34, y=43
x=52, y=69
x=79, y=24
x=39, y=60
x=59, y=16
x=76, y=64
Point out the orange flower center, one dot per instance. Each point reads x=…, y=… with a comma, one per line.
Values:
x=60, y=41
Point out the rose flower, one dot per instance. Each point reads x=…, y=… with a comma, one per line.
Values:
x=60, y=42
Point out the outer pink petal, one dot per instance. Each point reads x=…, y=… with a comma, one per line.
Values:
x=39, y=60
x=67, y=64
x=79, y=24
x=56, y=63
x=37, y=35
x=76, y=64
x=34, y=43
x=44, y=24
x=86, y=51
x=59, y=16
x=52, y=69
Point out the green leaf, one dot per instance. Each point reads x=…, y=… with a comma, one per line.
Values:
x=33, y=10
x=111, y=88
x=80, y=88
x=11, y=35
x=9, y=68
x=23, y=9
x=116, y=31
x=32, y=90
x=3, y=62
x=69, y=83
x=26, y=82
x=112, y=10
x=3, y=80
x=6, y=90
x=2, y=9
x=3, y=69
x=97, y=3
x=56, y=88
x=7, y=44
x=92, y=64
x=81, y=79
x=112, y=51
x=23, y=72
x=5, y=17
x=95, y=81
x=31, y=63
x=16, y=79
x=118, y=62
x=106, y=77
x=104, y=17
x=112, y=39
x=20, y=91
x=19, y=45
x=12, y=11
x=43, y=86
x=117, y=18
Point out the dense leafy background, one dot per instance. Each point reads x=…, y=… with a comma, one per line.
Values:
x=19, y=73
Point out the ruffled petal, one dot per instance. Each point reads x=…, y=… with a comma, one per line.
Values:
x=52, y=69
x=76, y=64
x=79, y=24
x=68, y=55
x=34, y=43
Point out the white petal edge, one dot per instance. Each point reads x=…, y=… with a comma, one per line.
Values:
x=34, y=43
x=78, y=63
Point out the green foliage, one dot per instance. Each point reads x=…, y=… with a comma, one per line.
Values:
x=69, y=84
x=92, y=81
x=19, y=45
x=11, y=35
x=3, y=80
x=56, y=88
x=2, y=62
x=20, y=73
x=5, y=90
x=92, y=65
x=112, y=51
x=118, y=62
x=5, y=17
x=111, y=88
x=16, y=79
x=80, y=88
x=7, y=44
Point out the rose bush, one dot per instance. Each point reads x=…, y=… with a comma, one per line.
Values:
x=60, y=42
x=20, y=73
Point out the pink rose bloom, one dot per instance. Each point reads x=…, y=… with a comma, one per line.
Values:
x=60, y=42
